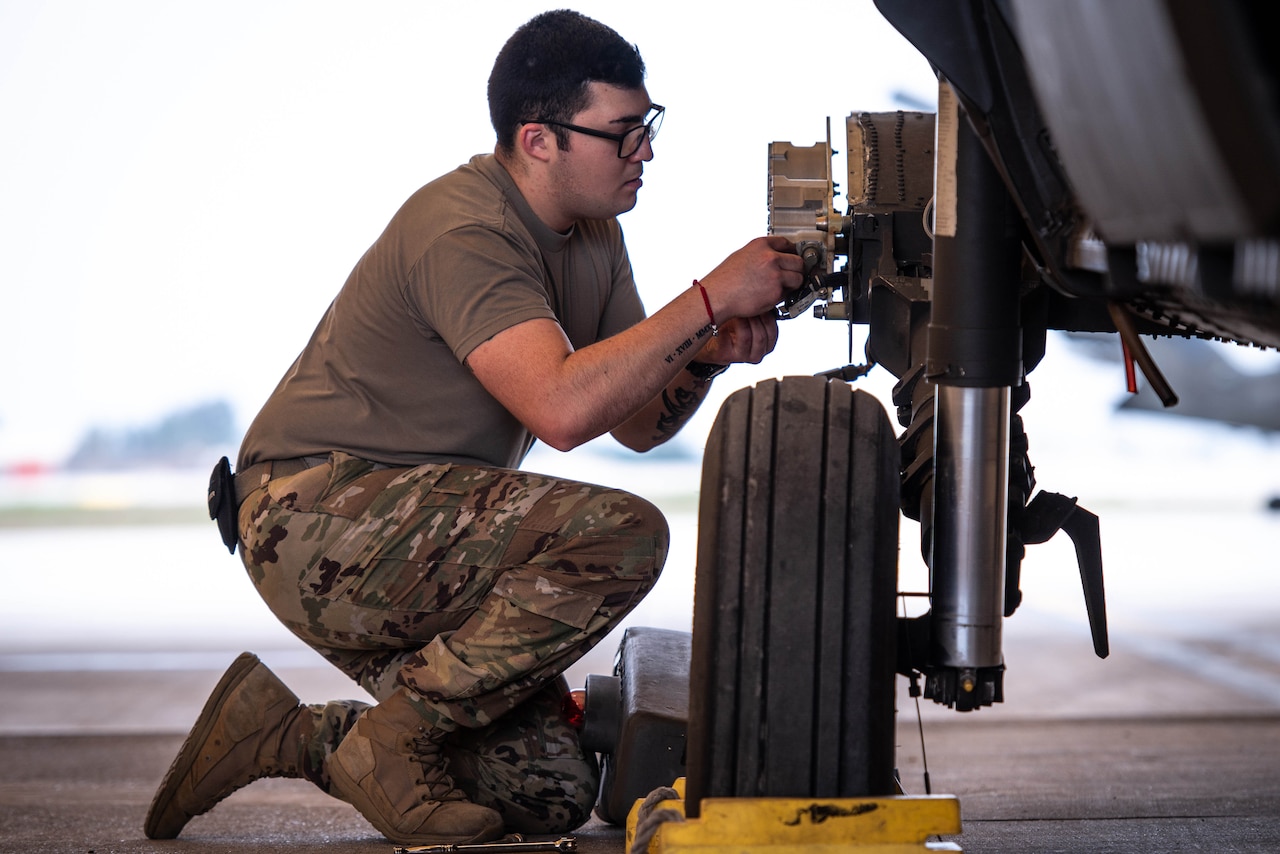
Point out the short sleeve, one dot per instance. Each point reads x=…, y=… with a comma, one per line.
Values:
x=472, y=283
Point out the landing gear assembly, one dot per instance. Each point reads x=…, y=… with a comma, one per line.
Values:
x=1026, y=204
x=787, y=683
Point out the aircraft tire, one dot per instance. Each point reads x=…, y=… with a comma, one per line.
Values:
x=794, y=633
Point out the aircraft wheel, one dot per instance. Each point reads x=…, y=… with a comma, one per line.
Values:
x=794, y=635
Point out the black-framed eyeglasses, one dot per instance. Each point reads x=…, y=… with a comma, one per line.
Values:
x=629, y=141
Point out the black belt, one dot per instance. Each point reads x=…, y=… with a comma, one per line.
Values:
x=259, y=475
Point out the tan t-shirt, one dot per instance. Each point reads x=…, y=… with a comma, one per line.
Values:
x=465, y=258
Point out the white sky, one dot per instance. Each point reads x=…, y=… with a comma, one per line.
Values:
x=184, y=187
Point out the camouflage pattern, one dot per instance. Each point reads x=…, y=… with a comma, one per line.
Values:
x=528, y=766
x=324, y=725
x=475, y=588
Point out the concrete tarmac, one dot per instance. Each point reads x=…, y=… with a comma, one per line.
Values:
x=1155, y=758
x=1171, y=744
x=1069, y=786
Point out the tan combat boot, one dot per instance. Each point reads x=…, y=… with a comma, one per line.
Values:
x=251, y=727
x=390, y=767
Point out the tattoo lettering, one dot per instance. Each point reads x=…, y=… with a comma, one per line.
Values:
x=688, y=343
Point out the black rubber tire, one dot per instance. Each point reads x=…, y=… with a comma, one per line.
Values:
x=794, y=634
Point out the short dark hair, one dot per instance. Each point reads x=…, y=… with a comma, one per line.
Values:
x=543, y=70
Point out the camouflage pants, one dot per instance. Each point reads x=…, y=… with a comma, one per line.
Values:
x=475, y=588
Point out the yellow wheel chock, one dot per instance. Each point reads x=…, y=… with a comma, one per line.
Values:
x=899, y=824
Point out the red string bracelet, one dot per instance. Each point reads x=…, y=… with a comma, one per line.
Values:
x=706, y=300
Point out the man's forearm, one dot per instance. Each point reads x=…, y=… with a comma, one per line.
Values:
x=665, y=415
x=566, y=397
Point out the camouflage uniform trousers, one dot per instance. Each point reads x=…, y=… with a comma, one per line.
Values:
x=475, y=588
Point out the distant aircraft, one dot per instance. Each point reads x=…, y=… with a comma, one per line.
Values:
x=1208, y=385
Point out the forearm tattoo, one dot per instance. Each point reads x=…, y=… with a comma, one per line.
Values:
x=676, y=411
x=689, y=343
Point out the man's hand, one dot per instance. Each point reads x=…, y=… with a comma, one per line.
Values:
x=742, y=339
x=753, y=280
x=629, y=384
x=744, y=291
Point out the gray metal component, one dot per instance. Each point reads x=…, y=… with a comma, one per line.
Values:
x=1137, y=136
x=974, y=359
x=1163, y=114
x=971, y=488
x=890, y=170
x=801, y=196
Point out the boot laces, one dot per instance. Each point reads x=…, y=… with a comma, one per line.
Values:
x=429, y=758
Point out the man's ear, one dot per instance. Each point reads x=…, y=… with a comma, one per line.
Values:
x=536, y=141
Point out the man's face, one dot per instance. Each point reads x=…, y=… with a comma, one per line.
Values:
x=592, y=181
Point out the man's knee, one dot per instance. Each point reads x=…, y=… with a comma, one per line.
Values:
x=643, y=539
x=591, y=531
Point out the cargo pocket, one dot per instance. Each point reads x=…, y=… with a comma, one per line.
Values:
x=536, y=594
x=382, y=522
x=453, y=535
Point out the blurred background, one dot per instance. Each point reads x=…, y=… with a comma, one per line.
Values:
x=184, y=187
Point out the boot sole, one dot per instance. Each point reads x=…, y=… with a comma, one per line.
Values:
x=186, y=757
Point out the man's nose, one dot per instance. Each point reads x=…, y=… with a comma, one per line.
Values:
x=645, y=151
